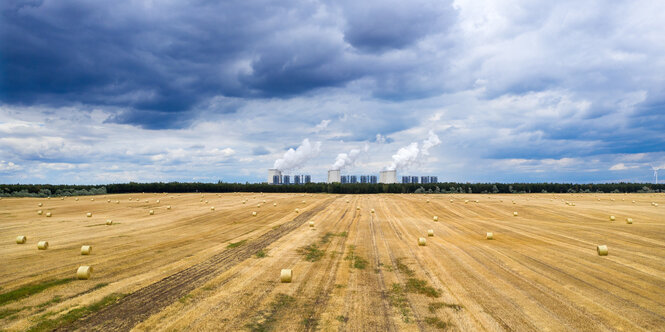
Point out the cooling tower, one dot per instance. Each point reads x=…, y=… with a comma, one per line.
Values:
x=274, y=176
x=334, y=176
x=388, y=177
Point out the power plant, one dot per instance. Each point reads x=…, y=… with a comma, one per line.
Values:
x=423, y=179
x=275, y=177
x=355, y=178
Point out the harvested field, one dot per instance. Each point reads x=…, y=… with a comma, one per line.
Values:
x=193, y=268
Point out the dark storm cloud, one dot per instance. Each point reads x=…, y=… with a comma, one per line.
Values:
x=385, y=25
x=162, y=59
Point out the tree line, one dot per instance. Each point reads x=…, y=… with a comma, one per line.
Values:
x=45, y=190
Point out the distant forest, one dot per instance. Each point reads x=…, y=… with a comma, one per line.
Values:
x=45, y=190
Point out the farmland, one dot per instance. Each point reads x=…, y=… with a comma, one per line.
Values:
x=194, y=268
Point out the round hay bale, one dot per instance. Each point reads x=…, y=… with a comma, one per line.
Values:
x=152, y=212
x=304, y=202
x=612, y=218
x=62, y=198
x=466, y=201
x=477, y=201
x=435, y=218
x=146, y=201
x=428, y=201
x=243, y=202
x=117, y=202
x=311, y=224
x=206, y=202
x=40, y=204
x=109, y=222
x=347, y=201
x=92, y=199
x=515, y=214
x=430, y=232
x=89, y=214
x=264, y=201
x=130, y=198
x=84, y=272
x=86, y=250
x=602, y=250
x=76, y=199
x=254, y=213
x=358, y=208
x=21, y=239
x=371, y=211
x=633, y=202
x=451, y=200
x=274, y=204
x=108, y=201
x=48, y=214
x=286, y=275
x=489, y=236
x=168, y=207
x=157, y=201
x=629, y=220
x=39, y=212
x=258, y=205
x=42, y=245
x=422, y=241
x=514, y=202
x=212, y=208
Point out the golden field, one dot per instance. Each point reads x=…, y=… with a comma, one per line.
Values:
x=197, y=269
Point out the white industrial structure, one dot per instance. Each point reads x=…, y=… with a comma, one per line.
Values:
x=388, y=176
x=274, y=176
x=334, y=176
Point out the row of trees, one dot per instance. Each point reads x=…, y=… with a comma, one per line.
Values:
x=47, y=190
x=38, y=190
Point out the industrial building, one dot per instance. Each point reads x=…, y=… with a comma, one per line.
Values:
x=335, y=176
x=368, y=179
x=423, y=179
x=275, y=177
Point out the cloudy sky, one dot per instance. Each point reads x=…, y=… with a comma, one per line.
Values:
x=515, y=91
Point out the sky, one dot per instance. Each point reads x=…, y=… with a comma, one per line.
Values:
x=95, y=92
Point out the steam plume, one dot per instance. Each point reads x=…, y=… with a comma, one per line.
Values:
x=297, y=158
x=347, y=159
x=411, y=154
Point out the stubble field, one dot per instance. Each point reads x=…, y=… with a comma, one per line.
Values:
x=197, y=269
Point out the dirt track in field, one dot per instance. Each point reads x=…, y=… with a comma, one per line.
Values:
x=540, y=273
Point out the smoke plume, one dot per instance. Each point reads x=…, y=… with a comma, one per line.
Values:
x=347, y=159
x=297, y=158
x=411, y=154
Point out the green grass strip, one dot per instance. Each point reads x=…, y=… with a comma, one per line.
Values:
x=31, y=289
